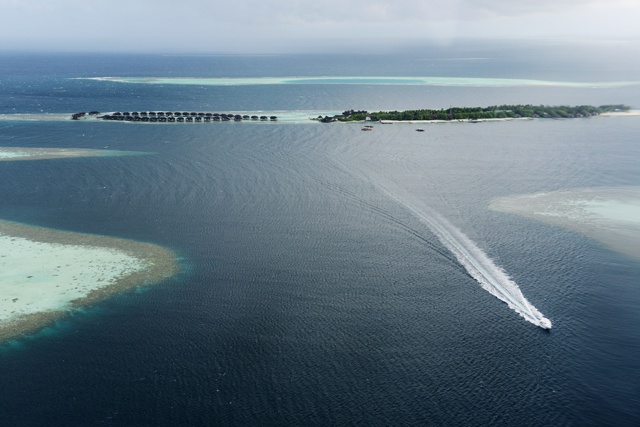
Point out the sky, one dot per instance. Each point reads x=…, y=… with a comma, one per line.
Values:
x=252, y=26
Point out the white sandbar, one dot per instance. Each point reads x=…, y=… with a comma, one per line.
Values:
x=45, y=273
x=627, y=113
x=610, y=215
x=10, y=154
x=358, y=80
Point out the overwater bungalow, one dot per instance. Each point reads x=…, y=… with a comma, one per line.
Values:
x=172, y=117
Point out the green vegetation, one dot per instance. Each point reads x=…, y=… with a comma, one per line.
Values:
x=476, y=113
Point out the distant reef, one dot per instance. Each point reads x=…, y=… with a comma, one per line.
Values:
x=478, y=113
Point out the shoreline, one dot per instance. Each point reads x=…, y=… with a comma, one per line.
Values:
x=390, y=122
x=73, y=270
x=283, y=117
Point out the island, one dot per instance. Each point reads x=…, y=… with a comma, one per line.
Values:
x=451, y=114
x=503, y=112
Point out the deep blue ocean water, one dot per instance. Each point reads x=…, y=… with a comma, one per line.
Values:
x=308, y=296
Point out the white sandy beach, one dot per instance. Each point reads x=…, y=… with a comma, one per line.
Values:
x=609, y=215
x=422, y=122
x=44, y=273
x=622, y=113
x=9, y=154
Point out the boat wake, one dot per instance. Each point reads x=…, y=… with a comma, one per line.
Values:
x=477, y=263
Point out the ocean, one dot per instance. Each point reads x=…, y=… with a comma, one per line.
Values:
x=315, y=287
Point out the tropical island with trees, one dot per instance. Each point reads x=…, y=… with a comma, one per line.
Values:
x=477, y=113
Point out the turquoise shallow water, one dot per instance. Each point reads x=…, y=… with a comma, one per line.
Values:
x=608, y=214
x=310, y=296
x=412, y=81
x=624, y=211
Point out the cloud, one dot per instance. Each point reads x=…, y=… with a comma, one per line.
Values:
x=223, y=25
x=284, y=12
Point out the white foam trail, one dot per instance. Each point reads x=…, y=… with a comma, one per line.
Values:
x=477, y=263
